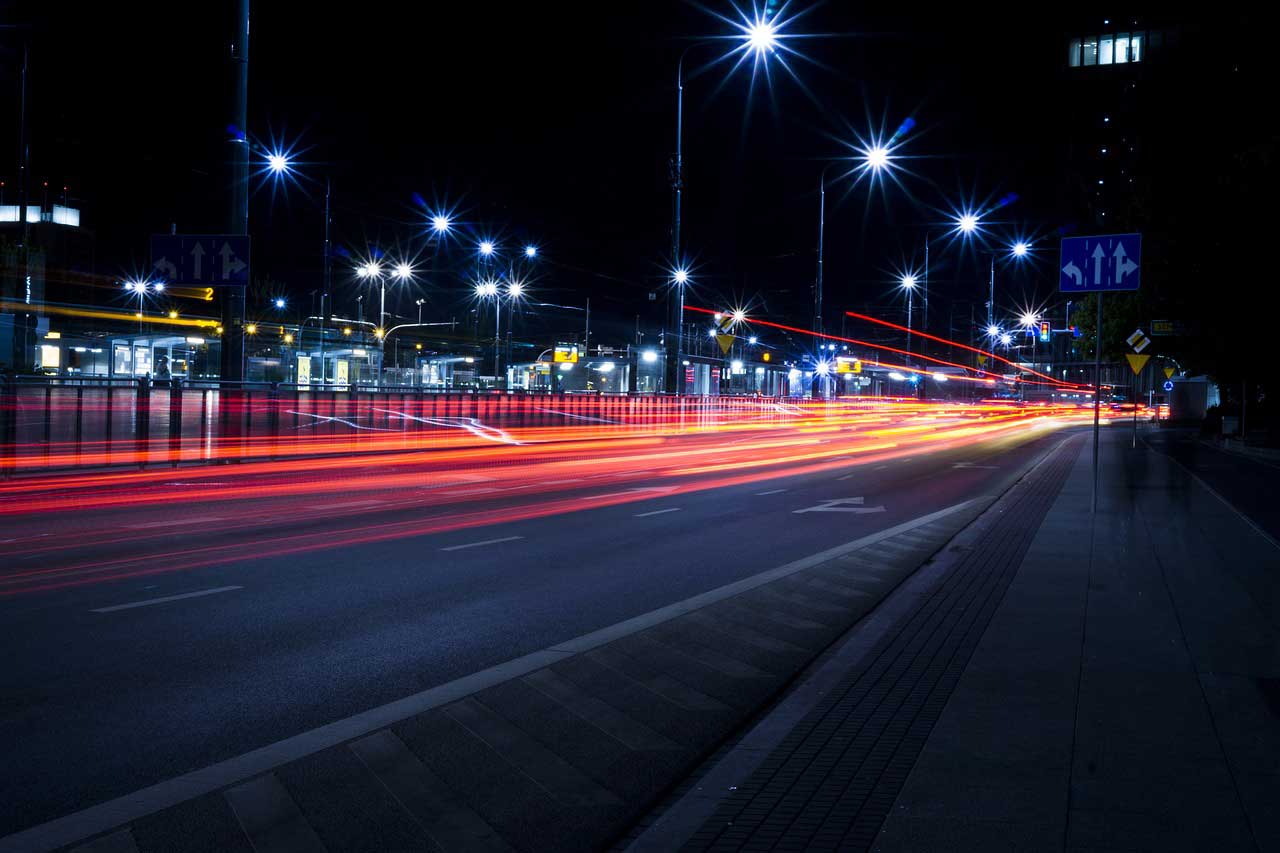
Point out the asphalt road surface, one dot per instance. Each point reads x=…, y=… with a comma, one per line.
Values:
x=158, y=622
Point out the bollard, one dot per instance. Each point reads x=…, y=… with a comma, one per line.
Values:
x=142, y=419
x=175, y=421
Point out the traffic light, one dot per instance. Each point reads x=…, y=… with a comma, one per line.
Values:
x=1044, y=331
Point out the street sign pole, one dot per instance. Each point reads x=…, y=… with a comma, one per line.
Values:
x=1135, y=411
x=1097, y=401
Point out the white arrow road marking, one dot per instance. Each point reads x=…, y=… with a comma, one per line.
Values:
x=841, y=505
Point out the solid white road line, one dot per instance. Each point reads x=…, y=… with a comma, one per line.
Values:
x=481, y=542
x=200, y=593
x=175, y=523
x=102, y=817
x=656, y=512
x=770, y=492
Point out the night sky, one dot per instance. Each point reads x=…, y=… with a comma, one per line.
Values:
x=553, y=123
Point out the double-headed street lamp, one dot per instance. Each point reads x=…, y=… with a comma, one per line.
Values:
x=402, y=272
x=142, y=287
x=490, y=289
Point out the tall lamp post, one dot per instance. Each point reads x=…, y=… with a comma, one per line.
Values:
x=759, y=37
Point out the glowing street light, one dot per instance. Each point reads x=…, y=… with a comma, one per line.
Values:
x=279, y=302
x=1020, y=249
x=486, y=247
x=278, y=162
x=993, y=331
x=403, y=271
x=680, y=276
x=909, y=285
x=1028, y=319
x=441, y=223
x=531, y=251
x=1006, y=339
x=877, y=157
x=967, y=223
x=761, y=35
x=515, y=289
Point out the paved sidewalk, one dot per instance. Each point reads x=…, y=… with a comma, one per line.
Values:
x=1060, y=686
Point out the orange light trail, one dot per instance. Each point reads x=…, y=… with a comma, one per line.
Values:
x=170, y=520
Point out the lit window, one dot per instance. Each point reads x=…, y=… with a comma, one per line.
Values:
x=1135, y=47
x=1091, y=51
x=1106, y=47
x=1122, y=48
x=1073, y=53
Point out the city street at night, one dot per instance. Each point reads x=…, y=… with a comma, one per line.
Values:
x=702, y=426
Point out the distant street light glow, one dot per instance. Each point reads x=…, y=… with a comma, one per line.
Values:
x=278, y=162
x=1006, y=339
x=279, y=302
x=761, y=35
x=486, y=247
x=650, y=356
x=993, y=330
x=515, y=289
x=1019, y=250
x=878, y=157
x=967, y=223
x=403, y=271
x=908, y=281
x=531, y=251
x=680, y=276
x=440, y=224
x=1028, y=319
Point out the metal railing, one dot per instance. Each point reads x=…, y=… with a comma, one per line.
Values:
x=48, y=424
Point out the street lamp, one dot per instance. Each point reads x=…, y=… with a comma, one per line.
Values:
x=486, y=248
x=871, y=159
x=909, y=285
x=440, y=223
x=531, y=251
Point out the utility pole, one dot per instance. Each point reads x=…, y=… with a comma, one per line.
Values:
x=21, y=354
x=233, y=298
x=328, y=258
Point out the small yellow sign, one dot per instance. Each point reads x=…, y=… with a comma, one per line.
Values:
x=566, y=355
x=1169, y=371
x=726, y=343
x=982, y=359
x=1136, y=362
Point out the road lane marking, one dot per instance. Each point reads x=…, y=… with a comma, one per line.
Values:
x=200, y=593
x=111, y=814
x=846, y=476
x=656, y=512
x=562, y=482
x=201, y=519
x=481, y=542
x=770, y=492
x=351, y=504
x=482, y=490
x=881, y=467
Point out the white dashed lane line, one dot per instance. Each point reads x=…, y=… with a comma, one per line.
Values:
x=481, y=543
x=656, y=512
x=200, y=593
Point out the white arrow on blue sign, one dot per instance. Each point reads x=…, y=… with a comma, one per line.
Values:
x=208, y=259
x=1100, y=263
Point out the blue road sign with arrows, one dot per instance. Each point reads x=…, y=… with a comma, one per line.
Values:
x=208, y=259
x=1100, y=263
